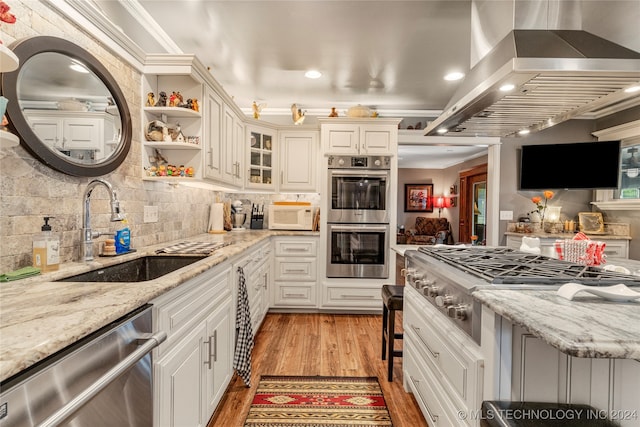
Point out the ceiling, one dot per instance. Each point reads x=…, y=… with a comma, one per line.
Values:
x=388, y=55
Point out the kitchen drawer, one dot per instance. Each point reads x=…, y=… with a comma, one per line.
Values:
x=177, y=311
x=297, y=248
x=436, y=407
x=293, y=295
x=352, y=296
x=296, y=269
x=448, y=353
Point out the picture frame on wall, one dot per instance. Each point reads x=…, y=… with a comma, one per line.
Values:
x=418, y=197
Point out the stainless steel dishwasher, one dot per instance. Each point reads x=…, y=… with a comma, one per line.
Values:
x=103, y=380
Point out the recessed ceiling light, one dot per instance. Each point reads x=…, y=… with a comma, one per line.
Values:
x=524, y=132
x=442, y=130
x=507, y=87
x=456, y=75
x=313, y=74
x=632, y=89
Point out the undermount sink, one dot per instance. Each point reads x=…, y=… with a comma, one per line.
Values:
x=137, y=270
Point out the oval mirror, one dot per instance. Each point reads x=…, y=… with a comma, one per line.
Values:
x=67, y=108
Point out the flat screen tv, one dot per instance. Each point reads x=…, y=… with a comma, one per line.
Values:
x=580, y=165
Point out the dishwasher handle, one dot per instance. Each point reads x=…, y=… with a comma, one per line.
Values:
x=87, y=394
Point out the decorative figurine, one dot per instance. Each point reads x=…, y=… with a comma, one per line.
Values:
x=179, y=100
x=151, y=101
x=173, y=99
x=162, y=100
x=334, y=112
x=194, y=104
x=189, y=171
x=182, y=170
x=189, y=104
x=297, y=115
x=257, y=109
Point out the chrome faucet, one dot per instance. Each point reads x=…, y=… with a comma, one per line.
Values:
x=87, y=234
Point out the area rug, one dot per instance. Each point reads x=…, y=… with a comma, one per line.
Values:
x=286, y=401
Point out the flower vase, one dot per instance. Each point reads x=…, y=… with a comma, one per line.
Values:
x=535, y=217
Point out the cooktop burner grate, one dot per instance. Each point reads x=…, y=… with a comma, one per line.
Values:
x=508, y=266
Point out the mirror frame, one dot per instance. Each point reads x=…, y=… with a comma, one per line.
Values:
x=25, y=49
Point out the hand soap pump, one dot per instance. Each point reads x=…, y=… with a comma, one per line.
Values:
x=46, y=249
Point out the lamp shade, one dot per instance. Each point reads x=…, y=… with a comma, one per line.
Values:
x=441, y=202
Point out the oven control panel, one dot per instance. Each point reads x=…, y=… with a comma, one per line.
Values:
x=359, y=162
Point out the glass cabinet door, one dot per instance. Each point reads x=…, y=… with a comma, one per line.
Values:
x=261, y=156
x=630, y=172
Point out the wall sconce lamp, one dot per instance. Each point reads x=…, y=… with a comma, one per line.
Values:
x=441, y=202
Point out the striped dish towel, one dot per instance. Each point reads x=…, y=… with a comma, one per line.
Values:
x=244, y=334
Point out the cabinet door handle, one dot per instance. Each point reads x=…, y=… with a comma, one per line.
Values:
x=295, y=271
x=281, y=177
x=417, y=331
x=212, y=342
x=295, y=295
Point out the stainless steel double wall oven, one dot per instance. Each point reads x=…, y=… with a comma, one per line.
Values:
x=358, y=216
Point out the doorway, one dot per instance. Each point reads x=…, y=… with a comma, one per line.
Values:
x=473, y=205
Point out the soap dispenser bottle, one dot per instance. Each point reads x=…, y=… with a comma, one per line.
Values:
x=46, y=249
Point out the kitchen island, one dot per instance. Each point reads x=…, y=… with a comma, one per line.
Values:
x=40, y=316
x=546, y=348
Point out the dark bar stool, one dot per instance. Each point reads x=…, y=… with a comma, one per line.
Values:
x=392, y=299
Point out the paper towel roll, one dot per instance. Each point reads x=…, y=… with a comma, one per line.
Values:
x=216, y=218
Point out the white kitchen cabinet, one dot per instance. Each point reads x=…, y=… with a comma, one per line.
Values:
x=181, y=145
x=295, y=272
x=298, y=161
x=180, y=383
x=69, y=130
x=359, y=136
x=444, y=367
x=218, y=363
x=257, y=268
x=618, y=248
x=213, y=107
x=260, y=158
x=193, y=367
x=540, y=372
x=232, y=148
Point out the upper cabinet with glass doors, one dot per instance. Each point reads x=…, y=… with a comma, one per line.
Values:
x=630, y=172
x=260, y=158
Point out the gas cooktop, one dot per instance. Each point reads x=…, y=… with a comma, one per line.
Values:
x=499, y=265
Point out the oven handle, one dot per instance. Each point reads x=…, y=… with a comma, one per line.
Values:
x=349, y=173
x=358, y=227
x=114, y=373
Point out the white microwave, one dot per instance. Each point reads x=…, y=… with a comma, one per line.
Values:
x=291, y=217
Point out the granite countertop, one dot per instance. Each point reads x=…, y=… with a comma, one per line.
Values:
x=401, y=249
x=587, y=326
x=39, y=316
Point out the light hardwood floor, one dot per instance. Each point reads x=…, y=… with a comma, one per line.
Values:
x=320, y=344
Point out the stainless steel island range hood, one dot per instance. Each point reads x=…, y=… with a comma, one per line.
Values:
x=556, y=75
